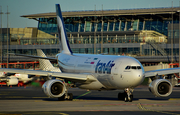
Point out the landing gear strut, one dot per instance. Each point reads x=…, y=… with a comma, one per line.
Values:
x=66, y=96
x=127, y=96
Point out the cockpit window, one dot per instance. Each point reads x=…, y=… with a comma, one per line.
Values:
x=133, y=67
x=128, y=67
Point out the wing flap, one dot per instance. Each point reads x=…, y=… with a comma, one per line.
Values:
x=69, y=76
x=162, y=72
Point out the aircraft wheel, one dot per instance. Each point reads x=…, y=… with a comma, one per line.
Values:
x=121, y=96
x=62, y=98
x=126, y=98
x=131, y=98
x=70, y=96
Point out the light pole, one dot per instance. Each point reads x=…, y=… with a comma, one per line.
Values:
x=179, y=36
x=172, y=35
x=1, y=36
x=7, y=39
x=95, y=30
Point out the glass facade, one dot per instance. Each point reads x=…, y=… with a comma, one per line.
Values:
x=49, y=51
x=91, y=24
x=113, y=45
x=126, y=44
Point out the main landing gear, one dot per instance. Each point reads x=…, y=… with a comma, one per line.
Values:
x=127, y=95
x=66, y=96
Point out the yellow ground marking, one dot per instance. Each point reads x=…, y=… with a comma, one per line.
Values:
x=174, y=99
x=63, y=114
x=144, y=109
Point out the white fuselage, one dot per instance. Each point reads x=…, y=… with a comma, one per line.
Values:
x=111, y=72
x=2, y=74
x=22, y=77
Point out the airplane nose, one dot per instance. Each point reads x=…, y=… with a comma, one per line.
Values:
x=139, y=78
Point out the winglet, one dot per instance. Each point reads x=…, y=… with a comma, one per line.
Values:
x=61, y=31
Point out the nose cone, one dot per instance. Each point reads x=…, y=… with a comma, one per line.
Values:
x=133, y=74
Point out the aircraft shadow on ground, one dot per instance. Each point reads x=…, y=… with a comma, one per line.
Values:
x=107, y=99
x=89, y=98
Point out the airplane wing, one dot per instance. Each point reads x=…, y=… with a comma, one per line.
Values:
x=162, y=72
x=49, y=58
x=68, y=76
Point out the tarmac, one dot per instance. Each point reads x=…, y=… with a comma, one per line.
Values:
x=32, y=100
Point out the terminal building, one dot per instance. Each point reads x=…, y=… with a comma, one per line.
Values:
x=149, y=32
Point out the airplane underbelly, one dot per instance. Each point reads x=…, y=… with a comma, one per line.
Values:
x=93, y=86
x=107, y=81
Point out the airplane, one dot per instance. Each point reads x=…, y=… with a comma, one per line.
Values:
x=15, y=79
x=96, y=72
x=22, y=79
x=4, y=80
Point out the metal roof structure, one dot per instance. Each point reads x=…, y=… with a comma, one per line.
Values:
x=125, y=12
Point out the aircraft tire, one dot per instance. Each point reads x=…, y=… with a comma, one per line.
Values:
x=126, y=98
x=121, y=96
x=62, y=98
x=131, y=98
x=70, y=96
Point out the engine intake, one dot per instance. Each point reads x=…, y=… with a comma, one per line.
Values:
x=160, y=87
x=54, y=88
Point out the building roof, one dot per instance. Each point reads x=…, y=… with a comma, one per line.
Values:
x=142, y=11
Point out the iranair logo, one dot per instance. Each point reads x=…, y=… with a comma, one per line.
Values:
x=104, y=67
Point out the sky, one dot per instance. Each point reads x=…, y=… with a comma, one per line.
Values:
x=17, y=8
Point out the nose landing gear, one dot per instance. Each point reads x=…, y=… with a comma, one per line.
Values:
x=127, y=95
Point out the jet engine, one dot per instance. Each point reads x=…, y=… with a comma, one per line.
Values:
x=54, y=88
x=12, y=81
x=160, y=87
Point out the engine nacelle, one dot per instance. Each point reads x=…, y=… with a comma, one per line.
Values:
x=160, y=87
x=54, y=88
x=12, y=81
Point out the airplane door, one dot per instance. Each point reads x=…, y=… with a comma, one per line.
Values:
x=116, y=70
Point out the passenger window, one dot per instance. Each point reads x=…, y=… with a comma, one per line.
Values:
x=138, y=67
